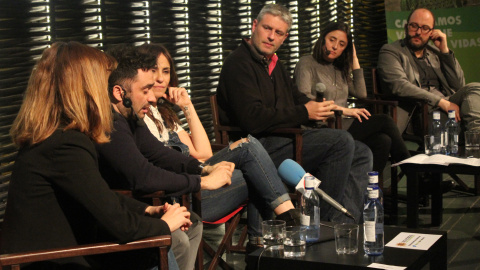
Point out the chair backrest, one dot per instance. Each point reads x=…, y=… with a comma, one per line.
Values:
x=418, y=105
x=221, y=131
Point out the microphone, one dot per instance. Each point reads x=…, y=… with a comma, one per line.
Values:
x=327, y=52
x=320, y=90
x=127, y=102
x=293, y=174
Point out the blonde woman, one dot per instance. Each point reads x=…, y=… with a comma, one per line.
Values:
x=57, y=197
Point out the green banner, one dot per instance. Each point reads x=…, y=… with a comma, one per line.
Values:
x=462, y=27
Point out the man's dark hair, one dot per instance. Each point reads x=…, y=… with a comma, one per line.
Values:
x=129, y=60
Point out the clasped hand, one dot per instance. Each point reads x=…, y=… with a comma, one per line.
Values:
x=175, y=216
x=218, y=175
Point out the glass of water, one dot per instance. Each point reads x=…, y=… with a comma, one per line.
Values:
x=346, y=238
x=273, y=234
x=295, y=241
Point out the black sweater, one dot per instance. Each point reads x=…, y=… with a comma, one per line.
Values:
x=136, y=160
x=252, y=99
x=57, y=198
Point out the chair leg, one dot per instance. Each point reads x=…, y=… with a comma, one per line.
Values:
x=163, y=258
x=240, y=246
x=229, y=230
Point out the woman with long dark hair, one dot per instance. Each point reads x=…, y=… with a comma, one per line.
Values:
x=255, y=176
x=334, y=63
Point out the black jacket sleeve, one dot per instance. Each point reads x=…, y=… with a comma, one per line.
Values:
x=145, y=163
x=78, y=176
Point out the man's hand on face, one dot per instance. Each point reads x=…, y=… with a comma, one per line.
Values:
x=320, y=111
x=440, y=40
x=219, y=175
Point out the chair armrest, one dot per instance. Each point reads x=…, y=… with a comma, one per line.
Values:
x=162, y=241
x=392, y=103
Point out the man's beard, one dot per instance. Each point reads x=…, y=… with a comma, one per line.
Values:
x=415, y=47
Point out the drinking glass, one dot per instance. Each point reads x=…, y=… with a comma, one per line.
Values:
x=273, y=234
x=346, y=238
x=295, y=241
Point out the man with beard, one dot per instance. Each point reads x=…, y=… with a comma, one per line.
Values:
x=413, y=68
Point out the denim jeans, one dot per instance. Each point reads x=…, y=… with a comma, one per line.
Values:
x=255, y=177
x=337, y=160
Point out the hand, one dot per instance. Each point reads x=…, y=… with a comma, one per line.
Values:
x=178, y=96
x=219, y=175
x=177, y=217
x=154, y=211
x=357, y=113
x=320, y=111
x=446, y=106
x=439, y=40
x=157, y=211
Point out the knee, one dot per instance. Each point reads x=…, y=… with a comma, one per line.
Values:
x=180, y=241
x=347, y=139
x=383, y=141
x=239, y=143
x=363, y=151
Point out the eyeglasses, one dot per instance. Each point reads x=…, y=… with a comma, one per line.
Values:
x=414, y=27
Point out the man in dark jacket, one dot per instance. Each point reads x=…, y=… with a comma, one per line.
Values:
x=256, y=93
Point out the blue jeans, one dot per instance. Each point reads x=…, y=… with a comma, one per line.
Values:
x=255, y=177
x=337, y=160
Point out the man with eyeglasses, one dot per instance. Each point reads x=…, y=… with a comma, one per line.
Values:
x=413, y=68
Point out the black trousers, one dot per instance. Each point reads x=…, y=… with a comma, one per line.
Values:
x=381, y=135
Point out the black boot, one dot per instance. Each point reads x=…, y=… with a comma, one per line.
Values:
x=291, y=217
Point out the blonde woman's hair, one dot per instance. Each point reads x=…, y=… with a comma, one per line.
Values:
x=67, y=89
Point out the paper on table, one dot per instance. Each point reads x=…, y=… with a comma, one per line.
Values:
x=439, y=160
x=413, y=240
x=386, y=266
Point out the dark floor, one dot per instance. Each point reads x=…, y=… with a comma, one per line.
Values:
x=461, y=219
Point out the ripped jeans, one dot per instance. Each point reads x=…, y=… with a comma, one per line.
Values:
x=255, y=177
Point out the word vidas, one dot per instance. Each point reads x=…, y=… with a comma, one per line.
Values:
x=465, y=43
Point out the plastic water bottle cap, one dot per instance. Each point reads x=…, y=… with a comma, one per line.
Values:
x=451, y=114
x=310, y=182
x=373, y=177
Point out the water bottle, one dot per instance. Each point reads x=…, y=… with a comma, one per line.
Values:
x=310, y=208
x=437, y=135
x=372, y=184
x=451, y=134
x=373, y=224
